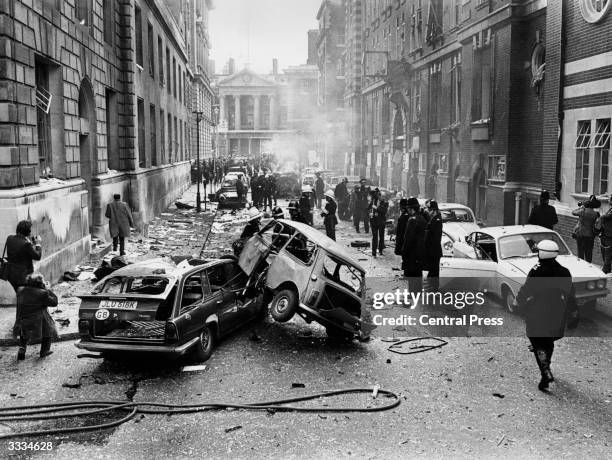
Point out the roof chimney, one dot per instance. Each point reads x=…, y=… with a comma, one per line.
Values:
x=275, y=67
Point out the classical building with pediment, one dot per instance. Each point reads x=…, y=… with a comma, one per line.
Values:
x=253, y=112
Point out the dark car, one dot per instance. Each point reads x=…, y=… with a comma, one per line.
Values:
x=158, y=307
x=227, y=195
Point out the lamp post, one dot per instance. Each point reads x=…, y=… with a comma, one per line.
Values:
x=199, y=178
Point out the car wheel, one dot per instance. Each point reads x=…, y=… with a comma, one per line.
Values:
x=284, y=305
x=205, y=344
x=509, y=300
x=338, y=334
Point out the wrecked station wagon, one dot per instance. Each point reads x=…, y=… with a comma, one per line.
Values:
x=299, y=270
x=157, y=307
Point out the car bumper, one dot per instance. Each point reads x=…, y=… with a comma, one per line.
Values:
x=586, y=296
x=169, y=350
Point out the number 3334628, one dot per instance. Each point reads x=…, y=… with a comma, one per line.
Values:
x=30, y=445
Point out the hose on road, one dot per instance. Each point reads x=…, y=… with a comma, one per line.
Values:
x=88, y=408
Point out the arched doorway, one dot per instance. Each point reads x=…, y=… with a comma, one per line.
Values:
x=87, y=140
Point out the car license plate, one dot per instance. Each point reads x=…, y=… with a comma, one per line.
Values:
x=119, y=304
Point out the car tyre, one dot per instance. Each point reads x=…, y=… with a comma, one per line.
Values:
x=203, y=348
x=284, y=305
x=509, y=301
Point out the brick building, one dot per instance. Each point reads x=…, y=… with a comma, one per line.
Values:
x=94, y=100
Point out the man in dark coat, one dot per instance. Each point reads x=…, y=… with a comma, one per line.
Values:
x=329, y=215
x=433, y=245
x=360, y=211
x=413, y=246
x=377, y=212
x=269, y=191
x=120, y=222
x=603, y=225
x=547, y=299
x=401, y=226
x=21, y=251
x=319, y=189
x=342, y=195
x=240, y=188
x=33, y=321
x=544, y=214
x=305, y=207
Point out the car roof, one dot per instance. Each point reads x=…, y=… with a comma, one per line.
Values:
x=322, y=241
x=152, y=267
x=509, y=230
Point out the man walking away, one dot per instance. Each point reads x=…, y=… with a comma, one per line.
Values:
x=546, y=297
x=319, y=189
x=584, y=232
x=120, y=222
x=342, y=195
x=413, y=246
x=21, y=250
x=360, y=213
x=329, y=215
x=433, y=245
x=378, y=220
x=544, y=214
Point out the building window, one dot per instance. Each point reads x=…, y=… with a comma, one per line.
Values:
x=174, y=76
x=160, y=60
x=583, y=141
x=455, y=77
x=142, y=152
x=162, y=140
x=600, y=144
x=482, y=83
x=168, y=71
x=43, y=119
x=153, y=128
x=138, y=32
x=422, y=162
x=112, y=130
x=435, y=88
x=594, y=10
x=416, y=99
x=151, y=45
x=83, y=12
x=170, y=144
x=109, y=21
x=497, y=168
x=442, y=162
x=175, y=144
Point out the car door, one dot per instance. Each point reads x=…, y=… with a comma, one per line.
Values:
x=472, y=267
x=195, y=304
x=224, y=300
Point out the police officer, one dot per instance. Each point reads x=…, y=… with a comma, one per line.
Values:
x=329, y=215
x=433, y=245
x=269, y=190
x=547, y=299
x=377, y=212
x=413, y=245
x=360, y=211
x=342, y=195
x=603, y=225
x=319, y=189
x=305, y=206
x=544, y=214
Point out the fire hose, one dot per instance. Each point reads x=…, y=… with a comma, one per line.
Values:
x=87, y=408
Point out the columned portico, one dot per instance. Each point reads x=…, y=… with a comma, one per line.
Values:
x=237, y=112
x=257, y=112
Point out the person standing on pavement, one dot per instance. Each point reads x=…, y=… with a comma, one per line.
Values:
x=360, y=211
x=544, y=214
x=433, y=245
x=377, y=213
x=33, y=322
x=603, y=226
x=432, y=183
x=120, y=222
x=401, y=226
x=21, y=250
x=584, y=232
x=546, y=300
x=319, y=189
x=342, y=195
x=329, y=215
x=413, y=245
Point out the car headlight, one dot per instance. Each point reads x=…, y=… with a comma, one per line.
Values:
x=590, y=285
x=448, y=246
x=601, y=284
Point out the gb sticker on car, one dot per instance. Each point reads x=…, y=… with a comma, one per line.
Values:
x=102, y=314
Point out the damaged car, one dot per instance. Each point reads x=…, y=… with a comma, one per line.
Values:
x=232, y=192
x=301, y=271
x=157, y=307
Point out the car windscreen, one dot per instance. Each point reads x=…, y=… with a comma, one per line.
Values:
x=525, y=245
x=342, y=274
x=146, y=285
x=276, y=234
x=456, y=215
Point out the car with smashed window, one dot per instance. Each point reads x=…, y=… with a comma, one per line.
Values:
x=499, y=259
x=299, y=270
x=161, y=308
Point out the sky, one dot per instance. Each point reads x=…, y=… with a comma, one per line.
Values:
x=256, y=31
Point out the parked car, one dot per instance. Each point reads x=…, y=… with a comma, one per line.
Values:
x=227, y=194
x=500, y=258
x=157, y=307
x=301, y=271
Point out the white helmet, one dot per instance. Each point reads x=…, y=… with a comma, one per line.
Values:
x=547, y=249
x=254, y=213
x=330, y=194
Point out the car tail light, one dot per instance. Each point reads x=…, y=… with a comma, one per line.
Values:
x=590, y=285
x=171, y=332
x=601, y=284
x=84, y=327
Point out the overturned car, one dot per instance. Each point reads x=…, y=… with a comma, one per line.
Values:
x=301, y=271
x=158, y=307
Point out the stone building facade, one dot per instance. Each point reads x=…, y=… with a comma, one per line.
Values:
x=94, y=100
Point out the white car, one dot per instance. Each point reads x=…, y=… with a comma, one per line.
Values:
x=458, y=221
x=498, y=259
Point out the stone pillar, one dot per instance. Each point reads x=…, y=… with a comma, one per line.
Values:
x=257, y=112
x=273, y=115
x=222, y=115
x=237, y=112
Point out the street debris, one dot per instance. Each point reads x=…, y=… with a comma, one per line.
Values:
x=501, y=440
x=234, y=428
x=194, y=368
x=298, y=385
x=375, y=391
x=417, y=345
x=499, y=395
